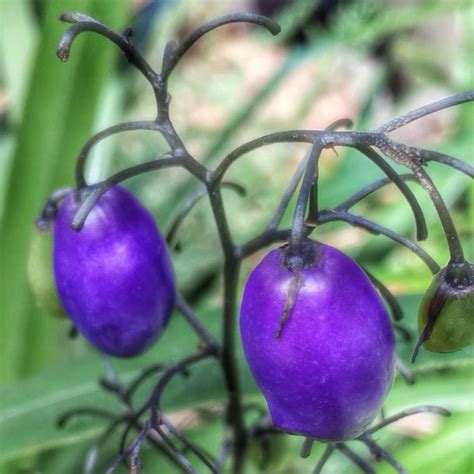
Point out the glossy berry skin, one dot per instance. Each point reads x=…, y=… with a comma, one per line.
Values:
x=332, y=365
x=114, y=277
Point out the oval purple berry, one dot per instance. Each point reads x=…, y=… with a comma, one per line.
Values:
x=114, y=277
x=326, y=369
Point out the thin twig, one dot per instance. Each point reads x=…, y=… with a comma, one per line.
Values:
x=416, y=114
x=174, y=54
x=408, y=412
x=183, y=307
x=380, y=453
x=333, y=215
x=355, y=458
x=324, y=458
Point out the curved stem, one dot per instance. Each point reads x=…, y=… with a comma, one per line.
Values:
x=421, y=229
x=97, y=190
x=355, y=458
x=88, y=411
x=306, y=447
x=184, y=210
x=333, y=215
x=340, y=123
x=133, y=386
x=380, y=453
x=414, y=158
x=155, y=398
x=91, y=456
x=431, y=155
x=452, y=238
x=323, y=459
x=133, y=449
x=82, y=23
x=405, y=333
x=234, y=412
x=290, y=136
x=288, y=194
x=404, y=371
x=426, y=110
x=183, y=461
x=175, y=54
x=314, y=195
x=211, y=464
x=369, y=189
x=408, y=412
x=410, y=156
x=264, y=239
x=119, y=128
x=183, y=307
x=297, y=226
x=392, y=303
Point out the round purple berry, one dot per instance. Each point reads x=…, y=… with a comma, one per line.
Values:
x=318, y=342
x=114, y=277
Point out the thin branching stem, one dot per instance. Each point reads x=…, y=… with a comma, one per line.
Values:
x=405, y=333
x=98, y=137
x=408, y=412
x=183, y=307
x=392, y=303
x=369, y=189
x=452, y=238
x=88, y=411
x=355, y=458
x=174, y=54
x=145, y=374
x=416, y=114
x=324, y=458
x=205, y=458
x=212, y=184
x=83, y=23
x=95, y=192
x=421, y=230
x=404, y=371
x=306, y=447
x=380, y=453
x=409, y=156
x=298, y=225
x=288, y=194
x=188, y=205
x=180, y=457
x=155, y=398
x=290, y=136
x=129, y=451
x=332, y=215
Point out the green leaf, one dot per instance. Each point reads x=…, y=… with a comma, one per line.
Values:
x=449, y=450
x=30, y=407
x=59, y=109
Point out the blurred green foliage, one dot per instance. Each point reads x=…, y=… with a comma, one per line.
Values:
x=219, y=101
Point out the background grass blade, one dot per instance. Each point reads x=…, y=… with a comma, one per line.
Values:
x=50, y=136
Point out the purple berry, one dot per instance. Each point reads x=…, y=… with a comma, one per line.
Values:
x=326, y=369
x=114, y=277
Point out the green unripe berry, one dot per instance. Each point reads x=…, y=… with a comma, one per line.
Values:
x=40, y=274
x=446, y=313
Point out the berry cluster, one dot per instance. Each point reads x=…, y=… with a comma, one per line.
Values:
x=314, y=327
